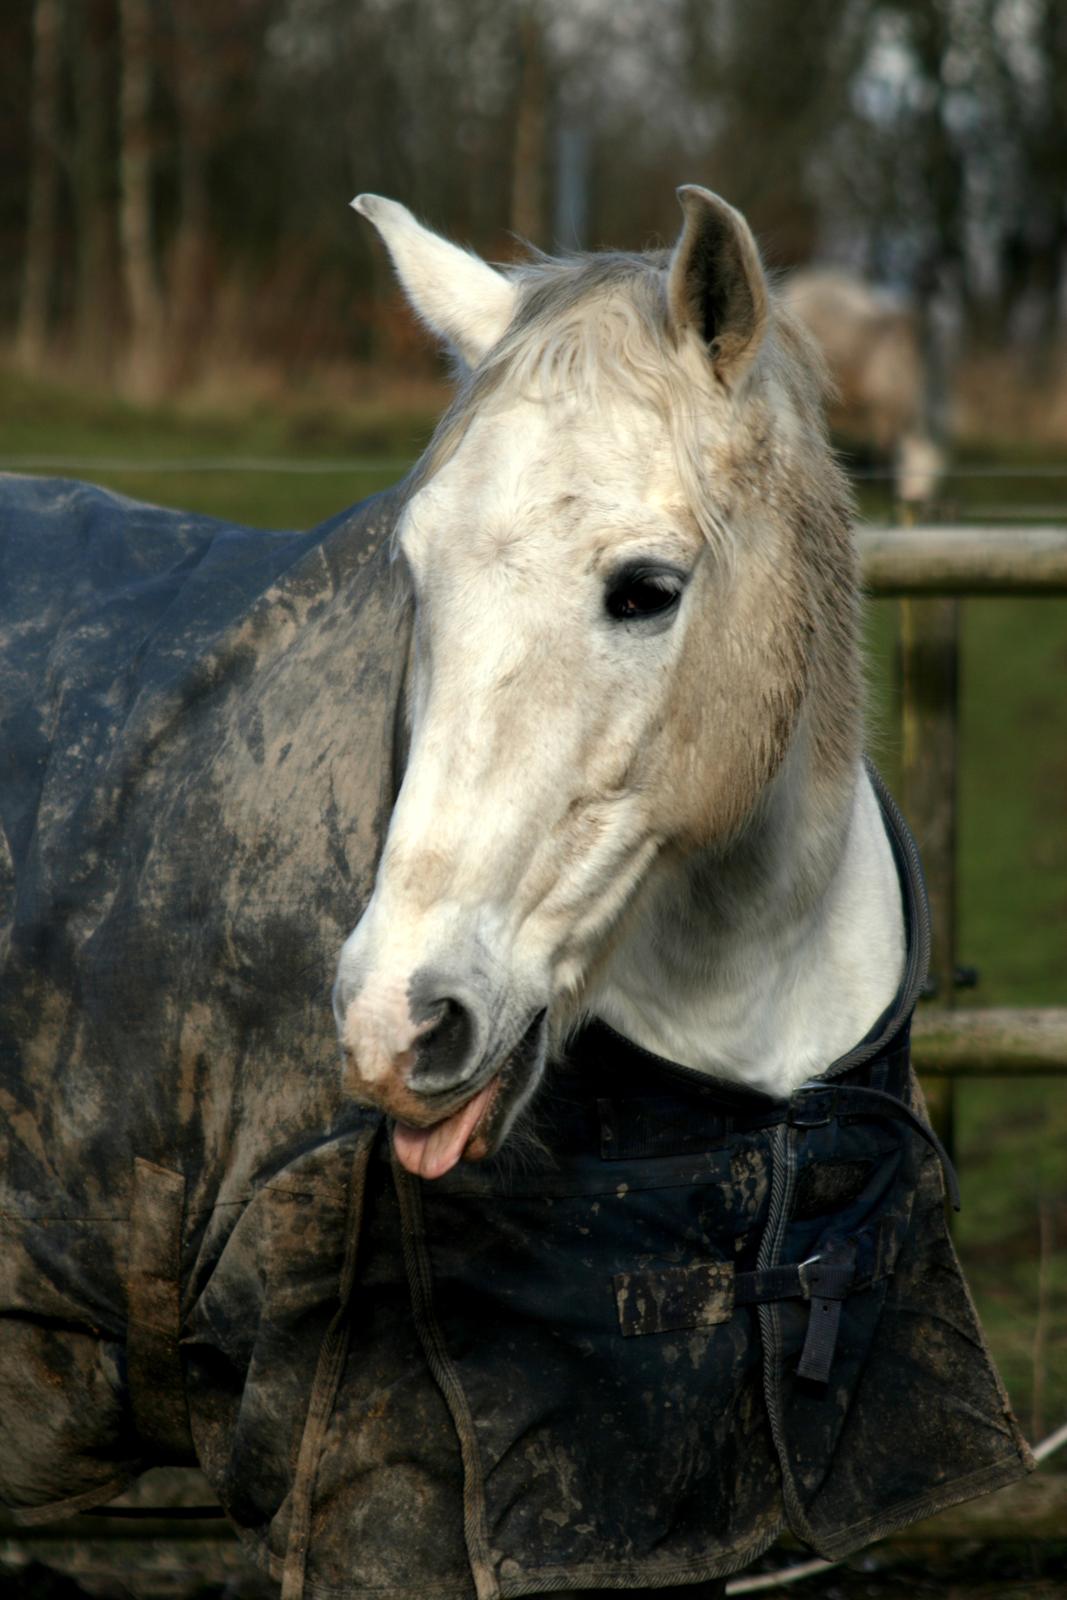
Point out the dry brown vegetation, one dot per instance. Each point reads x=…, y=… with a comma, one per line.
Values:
x=1005, y=396
x=175, y=173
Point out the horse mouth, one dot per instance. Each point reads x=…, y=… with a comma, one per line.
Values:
x=475, y=1129
x=433, y=1151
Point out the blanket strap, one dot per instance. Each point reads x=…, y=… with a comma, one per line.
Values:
x=157, y=1384
x=825, y=1284
x=815, y=1102
x=333, y=1353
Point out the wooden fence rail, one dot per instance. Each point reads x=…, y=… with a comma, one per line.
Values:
x=991, y=1043
x=981, y=559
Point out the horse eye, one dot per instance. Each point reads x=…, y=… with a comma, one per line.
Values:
x=638, y=593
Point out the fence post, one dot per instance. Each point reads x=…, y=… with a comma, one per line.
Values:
x=929, y=633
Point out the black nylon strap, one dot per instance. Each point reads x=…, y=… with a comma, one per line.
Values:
x=804, y=1281
x=816, y=1102
x=769, y=1283
x=825, y=1284
x=817, y=1356
x=828, y=1283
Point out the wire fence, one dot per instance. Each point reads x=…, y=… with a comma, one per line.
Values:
x=300, y=466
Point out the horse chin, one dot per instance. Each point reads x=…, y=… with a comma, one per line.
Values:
x=476, y=1129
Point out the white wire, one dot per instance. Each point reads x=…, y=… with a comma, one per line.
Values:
x=811, y=1569
x=297, y=465
x=1055, y=1441
x=281, y=464
x=771, y=1580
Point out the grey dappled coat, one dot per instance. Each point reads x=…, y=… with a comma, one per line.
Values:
x=607, y=1360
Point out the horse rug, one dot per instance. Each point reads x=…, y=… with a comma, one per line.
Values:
x=672, y=1320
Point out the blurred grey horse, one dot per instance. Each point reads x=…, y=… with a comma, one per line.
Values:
x=871, y=341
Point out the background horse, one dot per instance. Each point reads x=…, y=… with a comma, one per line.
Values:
x=872, y=344
x=573, y=719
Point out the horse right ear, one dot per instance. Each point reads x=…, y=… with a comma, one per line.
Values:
x=459, y=297
x=715, y=283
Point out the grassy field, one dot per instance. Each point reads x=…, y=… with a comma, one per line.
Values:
x=312, y=458
x=1012, y=1146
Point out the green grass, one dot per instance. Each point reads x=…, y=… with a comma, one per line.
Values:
x=355, y=449
x=1011, y=1143
x=1012, y=914
x=1012, y=1136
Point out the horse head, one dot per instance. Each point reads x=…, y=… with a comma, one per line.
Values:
x=628, y=549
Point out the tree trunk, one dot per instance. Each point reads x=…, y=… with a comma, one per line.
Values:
x=528, y=172
x=945, y=259
x=1048, y=173
x=94, y=300
x=197, y=83
x=40, y=258
x=143, y=296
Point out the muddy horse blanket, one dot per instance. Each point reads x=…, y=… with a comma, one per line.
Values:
x=679, y=1319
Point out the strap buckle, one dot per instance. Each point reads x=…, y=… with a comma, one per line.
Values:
x=825, y=1283
x=813, y=1105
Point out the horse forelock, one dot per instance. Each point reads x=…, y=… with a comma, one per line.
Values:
x=590, y=328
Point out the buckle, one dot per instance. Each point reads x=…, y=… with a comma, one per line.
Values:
x=813, y=1105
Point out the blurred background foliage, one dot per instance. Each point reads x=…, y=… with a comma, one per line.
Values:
x=172, y=198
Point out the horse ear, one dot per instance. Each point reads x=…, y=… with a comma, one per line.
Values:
x=715, y=284
x=459, y=297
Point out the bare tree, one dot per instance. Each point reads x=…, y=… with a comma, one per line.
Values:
x=940, y=161
x=136, y=221
x=39, y=260
x=769, y=81
x=1033, y=214
x=199, y=65
x=1050, y=155
x=207, y=150
x=91, y=28
x=528, y=171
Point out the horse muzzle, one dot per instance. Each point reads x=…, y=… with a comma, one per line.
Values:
x=430, y=1062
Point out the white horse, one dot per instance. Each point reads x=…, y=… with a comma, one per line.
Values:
x=626, y=710
x=634, y=787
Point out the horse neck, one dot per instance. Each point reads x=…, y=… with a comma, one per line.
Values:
x=765, y=961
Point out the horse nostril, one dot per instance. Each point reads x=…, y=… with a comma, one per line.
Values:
x=441, y=1052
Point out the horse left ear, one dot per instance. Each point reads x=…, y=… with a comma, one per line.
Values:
x=459, y=297
x=715, y=283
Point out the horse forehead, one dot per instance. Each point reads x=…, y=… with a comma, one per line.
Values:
x=559, y=472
